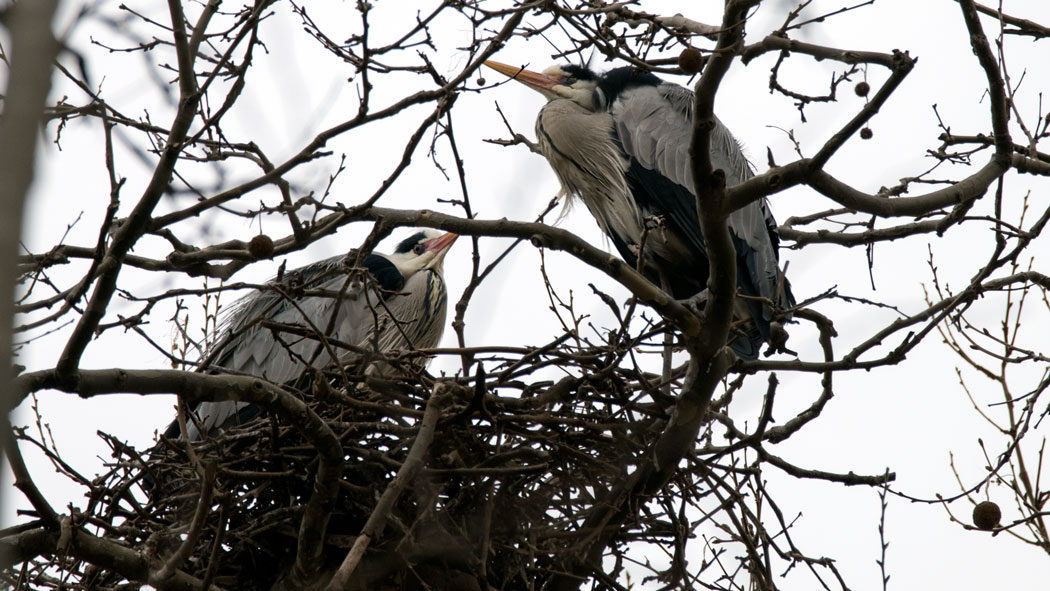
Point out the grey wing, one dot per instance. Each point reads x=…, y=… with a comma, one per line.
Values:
x=654, y=126
x=279, y=357
x=415, y=319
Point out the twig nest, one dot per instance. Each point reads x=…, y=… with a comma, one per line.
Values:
x=691, y=61
x=261, y=247
x=986, y=515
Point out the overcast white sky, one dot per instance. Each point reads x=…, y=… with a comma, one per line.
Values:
x=907, y=419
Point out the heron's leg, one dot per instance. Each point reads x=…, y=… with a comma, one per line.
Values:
x=698, y=302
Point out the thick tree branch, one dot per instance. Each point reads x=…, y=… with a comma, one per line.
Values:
x=106, y=554
x=24, y=480
x=33, y=50
x=709, y=359
x=412, y=465
x=544, y=236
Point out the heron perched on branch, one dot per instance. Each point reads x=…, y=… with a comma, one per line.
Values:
x=619, y=141
x=399, y=305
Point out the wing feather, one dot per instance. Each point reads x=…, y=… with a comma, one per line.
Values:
x=281, y=356
x=653, y=125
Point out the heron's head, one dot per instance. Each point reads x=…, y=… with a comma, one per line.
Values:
x=574, y=83
x=423, y=249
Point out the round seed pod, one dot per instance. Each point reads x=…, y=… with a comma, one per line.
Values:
x=261, y=247
x=986, y=515
x=691, y=61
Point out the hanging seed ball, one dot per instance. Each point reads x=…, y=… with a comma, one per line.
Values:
x=261, y=247
x=480, y=81
x=986, y=515
x=862, y=89
x=866, y=133
x=691, y=61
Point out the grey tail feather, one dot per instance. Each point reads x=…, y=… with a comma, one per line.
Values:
x=747, y=343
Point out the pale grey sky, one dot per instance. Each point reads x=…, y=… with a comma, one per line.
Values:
x=906, y=418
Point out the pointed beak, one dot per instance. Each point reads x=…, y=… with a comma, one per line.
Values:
x=441, y=242
x=440, y=246
x=534, y=80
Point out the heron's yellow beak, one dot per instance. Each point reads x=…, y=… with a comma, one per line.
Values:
x=529, y=78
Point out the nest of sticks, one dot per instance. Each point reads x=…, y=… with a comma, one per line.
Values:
x=509, y=470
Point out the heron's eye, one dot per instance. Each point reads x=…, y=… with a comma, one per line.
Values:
x=419, y=248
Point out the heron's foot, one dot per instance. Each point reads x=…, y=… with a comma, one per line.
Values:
x=778, y=338
x=697, y=303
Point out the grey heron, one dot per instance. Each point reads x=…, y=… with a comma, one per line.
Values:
x=272, y=335
x=619, y=141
